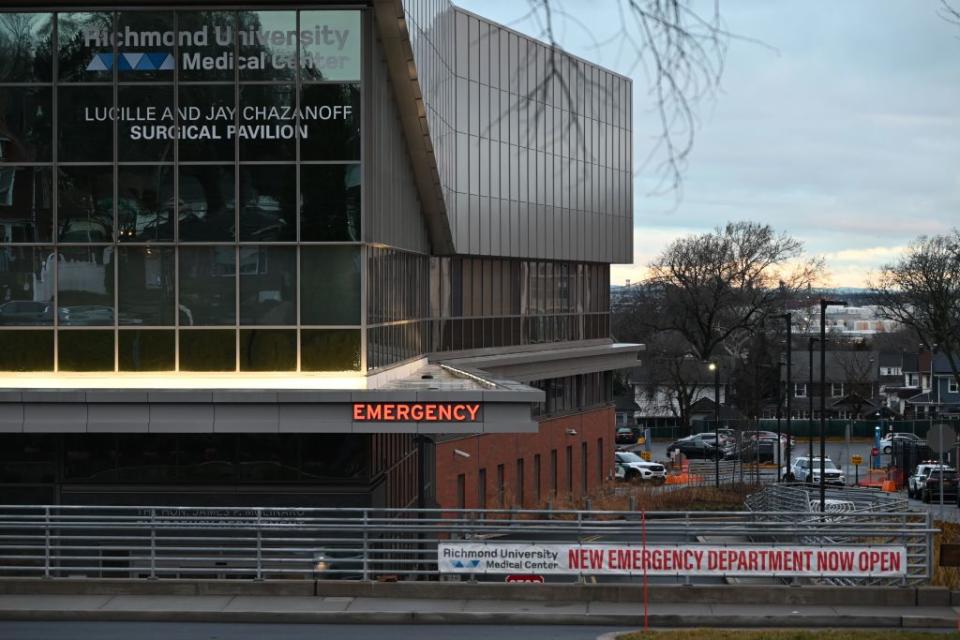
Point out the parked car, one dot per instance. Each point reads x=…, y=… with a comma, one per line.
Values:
x=695, y=447
x=931, y=488
x=886, y=443
x=803, y=473
x=25, y=312
x=636, y=468
x=767, y=435
x=918, y=479
x=625, y=435
x=762, y=450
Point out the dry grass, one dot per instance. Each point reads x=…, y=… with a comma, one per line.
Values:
x=945, y=576
x=648, y=498
x=784, y=634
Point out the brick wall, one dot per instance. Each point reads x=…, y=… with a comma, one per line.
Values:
x=488, y=452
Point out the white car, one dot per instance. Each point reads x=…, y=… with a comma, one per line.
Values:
x=803, y=473
x=636, y=468
x=918, y=480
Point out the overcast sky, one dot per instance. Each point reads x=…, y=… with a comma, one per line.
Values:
x=847, y=136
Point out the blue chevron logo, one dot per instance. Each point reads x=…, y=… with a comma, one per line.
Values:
x=139, y=61
x=469, y=564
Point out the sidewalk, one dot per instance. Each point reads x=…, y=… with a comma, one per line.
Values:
x=356, y=610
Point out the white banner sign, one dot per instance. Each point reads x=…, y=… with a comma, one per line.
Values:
x=672, y=560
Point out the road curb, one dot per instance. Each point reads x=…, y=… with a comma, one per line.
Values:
x=487, y=618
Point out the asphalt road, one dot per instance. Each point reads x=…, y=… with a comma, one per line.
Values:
x=214, y=631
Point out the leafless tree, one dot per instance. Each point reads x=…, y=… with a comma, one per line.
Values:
x=859, y=374
x=680, y=52
x=922, y=292
x=949, y=12
x=715, y=288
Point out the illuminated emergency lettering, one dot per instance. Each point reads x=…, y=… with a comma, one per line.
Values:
x=416, y=411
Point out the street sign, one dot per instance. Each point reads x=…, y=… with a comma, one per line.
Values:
x=855, y=460
x=646, y=455
x=941, y=437
x=521, y=578
x=874, y=452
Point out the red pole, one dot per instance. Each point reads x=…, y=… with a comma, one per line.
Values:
x=643, y=526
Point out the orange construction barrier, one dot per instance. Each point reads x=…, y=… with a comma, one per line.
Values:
x=889, y=486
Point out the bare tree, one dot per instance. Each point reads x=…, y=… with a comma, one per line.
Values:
x=715, y=289
x=679, y=50
x=859, y=374
x=922, y=292
x=672, y=376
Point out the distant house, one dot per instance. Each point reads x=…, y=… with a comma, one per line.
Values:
x=626, y=410
x=658, y=389
x=850, y=387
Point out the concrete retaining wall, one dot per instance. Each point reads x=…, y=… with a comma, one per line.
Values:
x=720, y=594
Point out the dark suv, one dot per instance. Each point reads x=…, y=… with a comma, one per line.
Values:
x=931, y=490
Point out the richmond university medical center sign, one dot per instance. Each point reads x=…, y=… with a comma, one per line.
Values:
x=325, y=51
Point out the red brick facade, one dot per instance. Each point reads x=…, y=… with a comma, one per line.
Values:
x=560, y=449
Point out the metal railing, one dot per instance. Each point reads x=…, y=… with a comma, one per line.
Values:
x=368, y=544
x=800, y=503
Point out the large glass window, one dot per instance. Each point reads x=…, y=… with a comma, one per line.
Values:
x=146, y=286
x=330, y=285
x=331, y=202
x=26, y=124
x=180, y=190
x=268, y=291
x=207, y=286
x=268, y=203
x=85, y=208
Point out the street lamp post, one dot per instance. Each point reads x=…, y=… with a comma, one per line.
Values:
x=810, y=419
x=789, y=320
x=713, y=366
x=779, y=417
x=823, y=398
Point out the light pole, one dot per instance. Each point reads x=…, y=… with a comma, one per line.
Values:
x=779, y=416
x=788, y=318
x=715, y=367
x=823, y=398
x=810, y=419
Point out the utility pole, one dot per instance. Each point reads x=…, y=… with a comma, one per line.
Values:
x=823, y=397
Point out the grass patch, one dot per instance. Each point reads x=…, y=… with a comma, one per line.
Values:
x=784, y=634
x=945, y=576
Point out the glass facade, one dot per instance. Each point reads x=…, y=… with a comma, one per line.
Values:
x=180, y=190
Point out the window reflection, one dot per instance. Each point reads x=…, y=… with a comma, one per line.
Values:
x=274, y=56
x=75, y=55
x=26, y=351
x=25, y=47
x=332, y=50
x=330, y=209
x=268, y=290
x=26, y=209
x=221, y=28
x=90, y=350
x=268, y=458
x=207, y=286
x=145, y=60
x=207, y=203
x=268, y=350
x=271, y=106
x=268, y=203
x=90, y=457
x=84, y=127
x=144, y=203
x=146, y=350
x=330, y=349
x=26, y=285
x=150, y=139
x=208, y=350
x=330, y=285
x=337, y=137
x=207, y=111
x=146, y=283
x=85, y=210
x=85, y=286
x=26, y=126
x=147, y=458
x=207, y=458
